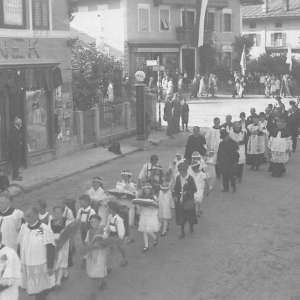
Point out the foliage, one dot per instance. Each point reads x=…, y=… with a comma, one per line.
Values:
x=91, y=72
x=208, y=54
x=72, y=8
x=238, y=46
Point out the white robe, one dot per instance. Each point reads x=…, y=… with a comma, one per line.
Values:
x=11, y=222
x=213, y=140
x=10, y=273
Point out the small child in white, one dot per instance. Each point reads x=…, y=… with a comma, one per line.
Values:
x=201, y=183
x=165, y=206
x=211, y=168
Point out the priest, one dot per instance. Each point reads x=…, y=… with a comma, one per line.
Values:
x=11, y=220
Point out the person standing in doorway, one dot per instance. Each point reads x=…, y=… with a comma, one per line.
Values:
x=15, y=148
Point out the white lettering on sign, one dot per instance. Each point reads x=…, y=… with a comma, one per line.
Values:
x=13, y=12
x=140, y=76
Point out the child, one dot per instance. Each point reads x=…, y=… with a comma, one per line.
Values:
x=115, y=228
x=148, y=218
x=196, y=157
x=57, y=225
x=201, y=184
x=96, y=260
x=127, y=185
x=185, y=114
x=157, y=178
x=44, y=216
x=97, y=195
x=211, y=168
x=165, y=206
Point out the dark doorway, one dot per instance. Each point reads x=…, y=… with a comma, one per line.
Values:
x=188, y=62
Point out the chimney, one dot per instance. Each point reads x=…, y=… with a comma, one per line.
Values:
x=265, y=7
x=286, y=5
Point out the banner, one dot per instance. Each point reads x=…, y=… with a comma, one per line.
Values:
x=243, y=62
x=13, y=12
x=289, y=60
x=201, y=22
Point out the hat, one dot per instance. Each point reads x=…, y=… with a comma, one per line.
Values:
x=292, y=103
x=223, y=133
x=210, y=152
x=154, y=157
x=164, y=186
x=262, y=114
x=278, y=98
x=114, y=206
x=97, y=178
x=183, y=167
x=196, y=154
x=242, y=114
x=157, y=167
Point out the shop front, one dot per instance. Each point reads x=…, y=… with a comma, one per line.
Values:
x=169, y=56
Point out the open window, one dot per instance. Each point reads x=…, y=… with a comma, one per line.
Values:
x=164, y=17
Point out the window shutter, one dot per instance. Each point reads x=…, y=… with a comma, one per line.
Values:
x=272, y=39
x=232, y=22
x=36, y=12
x=40, y=13
x=258, y=40
x=45, y=14
x=283, y=39
x=221, y=22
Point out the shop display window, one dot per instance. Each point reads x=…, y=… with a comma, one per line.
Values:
x=37, y=120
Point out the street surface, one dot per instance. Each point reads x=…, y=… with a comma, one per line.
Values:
x=203, y=111
x=246, y=245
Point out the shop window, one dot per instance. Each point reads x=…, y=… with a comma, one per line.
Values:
x=40, y=14
x=164, y=15
x=37, y=120
x=209, y=23
x=144, y=17
x=227, y=23
x=188, y=18
x=13, y=14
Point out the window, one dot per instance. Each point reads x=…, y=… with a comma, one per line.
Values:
x=38, y=121
x=227, y=23
x=164, y=16
x=278, y=24
x=188, y=18
x=144, y=17
x=209, y=23
x=256, y=39
x=227, y=59
x=40, y=14
x=252, y=25
x=12, y=14
x=278, y=39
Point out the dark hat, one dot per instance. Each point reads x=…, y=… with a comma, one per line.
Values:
x=277, y=98
x=270, y=105
x=262, y=114
x=154, y=157
x=242, y=114
x=292, y=103
x=223, y=133
x=114, y=206
x=183, y=167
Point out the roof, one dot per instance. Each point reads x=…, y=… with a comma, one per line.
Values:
x=275, y=9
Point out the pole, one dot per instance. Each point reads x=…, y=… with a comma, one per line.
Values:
x=159, y=96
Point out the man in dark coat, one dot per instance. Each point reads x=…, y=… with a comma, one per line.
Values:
x=168, y=116
x=196, y=142
x=184, y=190
x=15, y=148
x=293, y=124
x=250, y=118
x=228, y=124
x=227, y=159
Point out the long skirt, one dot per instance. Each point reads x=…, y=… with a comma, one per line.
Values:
x=183, y=216
x=277, y=169
x=255, y=159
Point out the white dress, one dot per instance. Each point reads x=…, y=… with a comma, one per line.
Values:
x=165, y=205
x=199, y=178
x=35, y=278
x=149, y=220
x=10, y=273
x=11, y=222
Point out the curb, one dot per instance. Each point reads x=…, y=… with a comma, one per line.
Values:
x=57, y=179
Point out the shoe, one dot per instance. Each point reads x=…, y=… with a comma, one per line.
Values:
x=182, y=236
x=18, y=178
x=224, y=191
x=163, y=234
x=103, y=285
x=155, y=242
x=234, y=189
x=145, y=249
x=65, y=278
x=124, y=263
x=130, y=242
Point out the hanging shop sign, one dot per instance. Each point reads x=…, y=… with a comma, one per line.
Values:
x=13, y=14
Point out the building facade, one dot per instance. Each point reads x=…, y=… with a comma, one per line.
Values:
x=144, y=30
x=34, y=61
x=273, y=26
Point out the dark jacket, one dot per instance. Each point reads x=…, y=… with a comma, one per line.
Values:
x=195, y=144
x=15, y=143
x=228, y=154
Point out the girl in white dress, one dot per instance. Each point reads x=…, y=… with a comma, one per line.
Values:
x=148, y=223
x=211, y=168
x=200, y=179
x=96, y=260
x=127, y=185
x=165, y=206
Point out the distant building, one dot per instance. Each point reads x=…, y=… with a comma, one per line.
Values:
x=142, y=30
x=273, y=26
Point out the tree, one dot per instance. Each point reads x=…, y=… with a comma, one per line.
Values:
x=238, y=46
x=91, y=71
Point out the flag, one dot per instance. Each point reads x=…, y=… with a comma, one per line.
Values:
x=201, y=22
x=289, y=60
x=243, y=62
